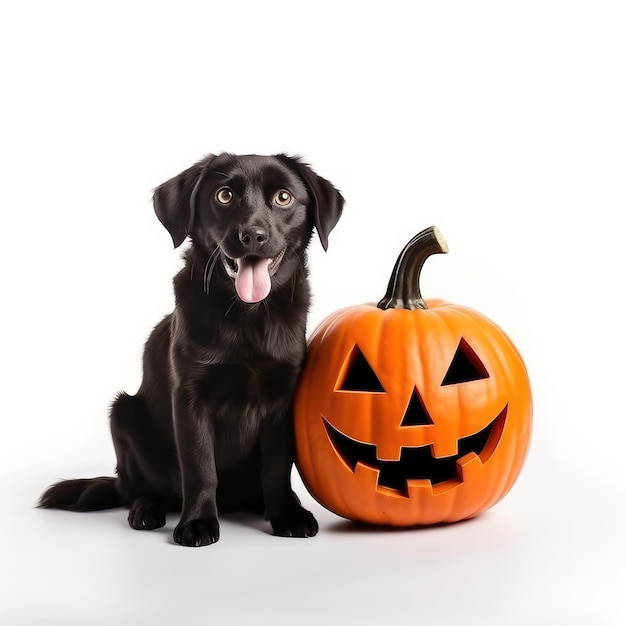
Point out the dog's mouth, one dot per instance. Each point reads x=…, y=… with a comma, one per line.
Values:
x=253, y=275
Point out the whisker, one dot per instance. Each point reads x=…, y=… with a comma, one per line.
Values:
x=294, y=275
x=208, y=271
x=300, y=261
x=230, y=308
x=211, y=273
x=193, y=264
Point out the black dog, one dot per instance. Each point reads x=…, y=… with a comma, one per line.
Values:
x=211, y=426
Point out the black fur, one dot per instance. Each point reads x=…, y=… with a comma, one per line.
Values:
x=211, y=426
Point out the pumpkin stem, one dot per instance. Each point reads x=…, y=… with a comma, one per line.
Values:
x=403, y=291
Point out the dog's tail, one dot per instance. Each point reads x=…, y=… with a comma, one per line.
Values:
x=82, y=494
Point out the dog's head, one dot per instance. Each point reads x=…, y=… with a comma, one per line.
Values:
x=258, y=211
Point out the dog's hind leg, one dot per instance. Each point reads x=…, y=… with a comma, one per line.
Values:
x=147, y=466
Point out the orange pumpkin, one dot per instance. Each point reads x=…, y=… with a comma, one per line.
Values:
x=411, y=412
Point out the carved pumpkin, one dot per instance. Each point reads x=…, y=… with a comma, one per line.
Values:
x=411, y=412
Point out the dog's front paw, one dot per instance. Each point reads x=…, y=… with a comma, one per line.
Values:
x=145, y=514
x=296, y=522
x=197, y=532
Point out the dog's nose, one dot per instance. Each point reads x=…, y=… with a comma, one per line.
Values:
x=253, y=237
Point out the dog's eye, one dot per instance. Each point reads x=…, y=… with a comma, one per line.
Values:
x=224, y=195
x=283, y=198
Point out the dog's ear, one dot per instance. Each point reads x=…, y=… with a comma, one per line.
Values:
x=174, y=201
x=327, y=200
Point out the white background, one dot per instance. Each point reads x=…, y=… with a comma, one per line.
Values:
x=501, y=122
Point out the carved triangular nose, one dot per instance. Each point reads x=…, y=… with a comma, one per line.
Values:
x=416, y=413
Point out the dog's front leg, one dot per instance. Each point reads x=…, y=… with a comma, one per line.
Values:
x=195, y=440
x=282, y=507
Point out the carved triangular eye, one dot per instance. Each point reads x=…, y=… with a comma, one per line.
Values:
x=359, y=375
x=465, y=366
x=416, y=413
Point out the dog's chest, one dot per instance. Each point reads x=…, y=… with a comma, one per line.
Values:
x=238, y=397
x=246, y=390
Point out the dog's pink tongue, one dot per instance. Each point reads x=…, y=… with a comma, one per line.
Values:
x=253, y=282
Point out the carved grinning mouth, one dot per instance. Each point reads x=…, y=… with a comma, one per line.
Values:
x=418, y=463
